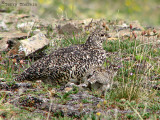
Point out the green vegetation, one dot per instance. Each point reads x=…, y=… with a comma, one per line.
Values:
x=131, y=93
x=145, y=11
x=133, y=96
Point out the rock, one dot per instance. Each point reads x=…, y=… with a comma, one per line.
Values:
x=20, y=16
x=68, y=89
x=4, y=45
x=13, y=86
x=13, y=35
x=68, y=29
x=9, y=39
x=28, y=46
x=3, y=26
x=33, y=44
x=67, y=109
x=26, y=25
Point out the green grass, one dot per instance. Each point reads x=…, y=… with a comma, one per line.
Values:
x=131, y=77
x=130, y=94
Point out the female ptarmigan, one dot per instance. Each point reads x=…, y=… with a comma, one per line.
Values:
x=68, y=63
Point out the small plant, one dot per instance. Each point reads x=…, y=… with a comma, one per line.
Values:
x=85, y=101
x=130, y=116
x=71, y=41
x=146, y=115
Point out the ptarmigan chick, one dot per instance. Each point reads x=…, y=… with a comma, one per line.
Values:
x=100, y=78
x=68, y=63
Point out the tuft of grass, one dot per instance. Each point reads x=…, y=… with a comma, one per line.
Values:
x=138, y=63
x=72, y=41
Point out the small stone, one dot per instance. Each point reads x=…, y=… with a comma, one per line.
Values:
x=67, y=89
x=68, y=29
x=52, y=92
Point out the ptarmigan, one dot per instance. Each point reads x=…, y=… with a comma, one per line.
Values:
x=68, y=63
x=100, y=77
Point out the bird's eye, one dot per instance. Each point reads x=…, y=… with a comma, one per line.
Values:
x=102, y=35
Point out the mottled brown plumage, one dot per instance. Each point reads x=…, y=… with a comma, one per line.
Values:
x=68, y=63
x=100, y=77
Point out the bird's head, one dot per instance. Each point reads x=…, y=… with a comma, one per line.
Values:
x=97, y=38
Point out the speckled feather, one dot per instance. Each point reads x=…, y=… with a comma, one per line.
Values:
x=68, y=63
x=100, y=78
x=103, y=75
